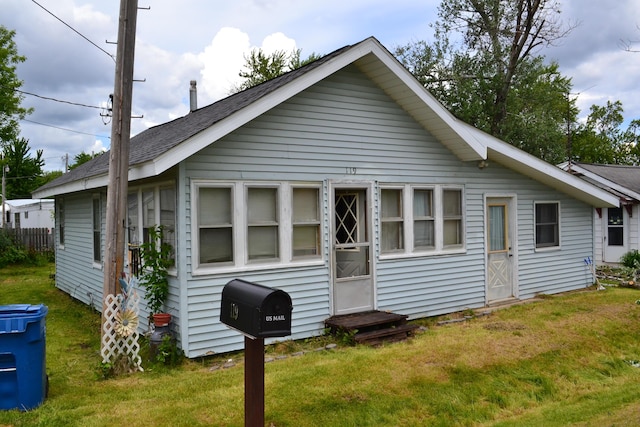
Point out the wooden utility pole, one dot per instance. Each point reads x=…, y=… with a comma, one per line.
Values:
x=119, y=152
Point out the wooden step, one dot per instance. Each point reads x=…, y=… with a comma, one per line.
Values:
x=386, y=335
x=372, y=327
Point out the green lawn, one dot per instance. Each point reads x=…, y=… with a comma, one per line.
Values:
x=566, y=360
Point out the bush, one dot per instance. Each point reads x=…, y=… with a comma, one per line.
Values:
x=631, y=259
x=10, y=252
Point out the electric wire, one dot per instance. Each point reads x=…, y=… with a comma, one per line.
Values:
x=74, y=30
x=58, y=100
x=65, y=129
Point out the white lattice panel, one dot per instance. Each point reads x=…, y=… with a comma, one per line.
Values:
x=114, y=344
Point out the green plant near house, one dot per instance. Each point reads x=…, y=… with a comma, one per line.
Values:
x=631, y=259
x=156, y=255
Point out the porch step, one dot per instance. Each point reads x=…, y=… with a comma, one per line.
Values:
x=372, y=327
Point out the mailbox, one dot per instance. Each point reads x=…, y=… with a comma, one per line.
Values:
x=255, y=310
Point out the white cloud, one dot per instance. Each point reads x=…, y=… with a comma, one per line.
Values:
x=224, y=58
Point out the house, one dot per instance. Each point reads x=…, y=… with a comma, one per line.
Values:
x=343, y=183
x=28, y=213
x=616, y=229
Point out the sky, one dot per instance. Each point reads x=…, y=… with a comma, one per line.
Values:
x=206, y=41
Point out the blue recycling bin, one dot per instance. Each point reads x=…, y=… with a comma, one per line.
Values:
x=23, y=378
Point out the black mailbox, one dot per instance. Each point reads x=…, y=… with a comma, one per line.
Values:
x=256, y=310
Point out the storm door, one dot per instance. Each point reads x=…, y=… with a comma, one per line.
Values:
x=500, y=281
x=615, y=242
x=352, y=279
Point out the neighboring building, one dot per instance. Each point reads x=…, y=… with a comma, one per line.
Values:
x=28, y=213
x=347, y=185
x=616, y=229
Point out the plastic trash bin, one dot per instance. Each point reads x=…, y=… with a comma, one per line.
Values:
x=23, y=378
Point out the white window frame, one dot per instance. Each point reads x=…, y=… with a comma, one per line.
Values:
x=290, y=223
x=395, y=220
x=438, y=212
x=239, y=196
x=155, y=188
x=96, y=199
x=535, y=226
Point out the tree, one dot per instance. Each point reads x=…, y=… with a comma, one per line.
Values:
x=602, y=138
x=10, y=99
x=260, y=67
x=491, y=78
x=81, y=158
x=25, y=172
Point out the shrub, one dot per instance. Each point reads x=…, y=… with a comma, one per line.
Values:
x=631, y=259
x=10, y=252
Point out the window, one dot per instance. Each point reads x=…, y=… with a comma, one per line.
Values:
x=97, y=230
x=423, y=219
x=452, y=217
x=547, y=224
x=215, y=225
x=392, y=220
x=247, y=224
x=61, y=221
x=148, y=207
x=305, y=222
x=615, y=227
x=17, y=220
x=262, y=223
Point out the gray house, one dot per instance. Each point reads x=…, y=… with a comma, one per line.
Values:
x=348, y=186
x=616, y=229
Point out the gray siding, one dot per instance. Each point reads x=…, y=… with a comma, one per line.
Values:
x=345, y=128
x=76, y=272
x=347, y=122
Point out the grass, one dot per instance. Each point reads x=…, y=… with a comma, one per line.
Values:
x=565, y=360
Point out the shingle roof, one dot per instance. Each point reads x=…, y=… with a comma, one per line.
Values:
x=623, y=175
x=156, y=140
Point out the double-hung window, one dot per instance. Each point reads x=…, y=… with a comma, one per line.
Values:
x=421, y=220
x=305, y=222
x=97, y=229
x=262, y=224
x=392, y=220
x=547, y=218
x=215, y=225
x=61, y=219
x=147, y=207
x=246, y=224
x=451, y=217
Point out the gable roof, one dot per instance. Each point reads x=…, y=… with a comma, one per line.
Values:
x=623, y=181
x=161, y=147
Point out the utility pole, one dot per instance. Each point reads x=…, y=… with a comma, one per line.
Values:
x=119, y=153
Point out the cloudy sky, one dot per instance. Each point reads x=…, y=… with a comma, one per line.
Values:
x=204, y=40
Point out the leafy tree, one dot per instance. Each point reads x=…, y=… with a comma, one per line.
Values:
x=602, y=138
x=482, y=66
x=25, y=172
x=260, y=67
x=81, y=158
x=10, y=99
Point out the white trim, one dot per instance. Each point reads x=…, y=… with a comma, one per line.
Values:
x=535, y=224
x=409, y=250
x=239, y=194
x=512, y=207
x=595, y=177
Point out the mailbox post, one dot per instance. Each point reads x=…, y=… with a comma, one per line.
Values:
x=258, y=312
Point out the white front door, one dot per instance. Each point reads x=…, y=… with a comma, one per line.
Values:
x=351, y=257
x=500, y=264
x=614, y=223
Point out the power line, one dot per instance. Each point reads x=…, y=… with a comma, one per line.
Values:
x=58, y=100
x=65, y=129
x=74, y=30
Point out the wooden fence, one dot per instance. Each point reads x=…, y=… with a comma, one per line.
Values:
x=39, y=240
